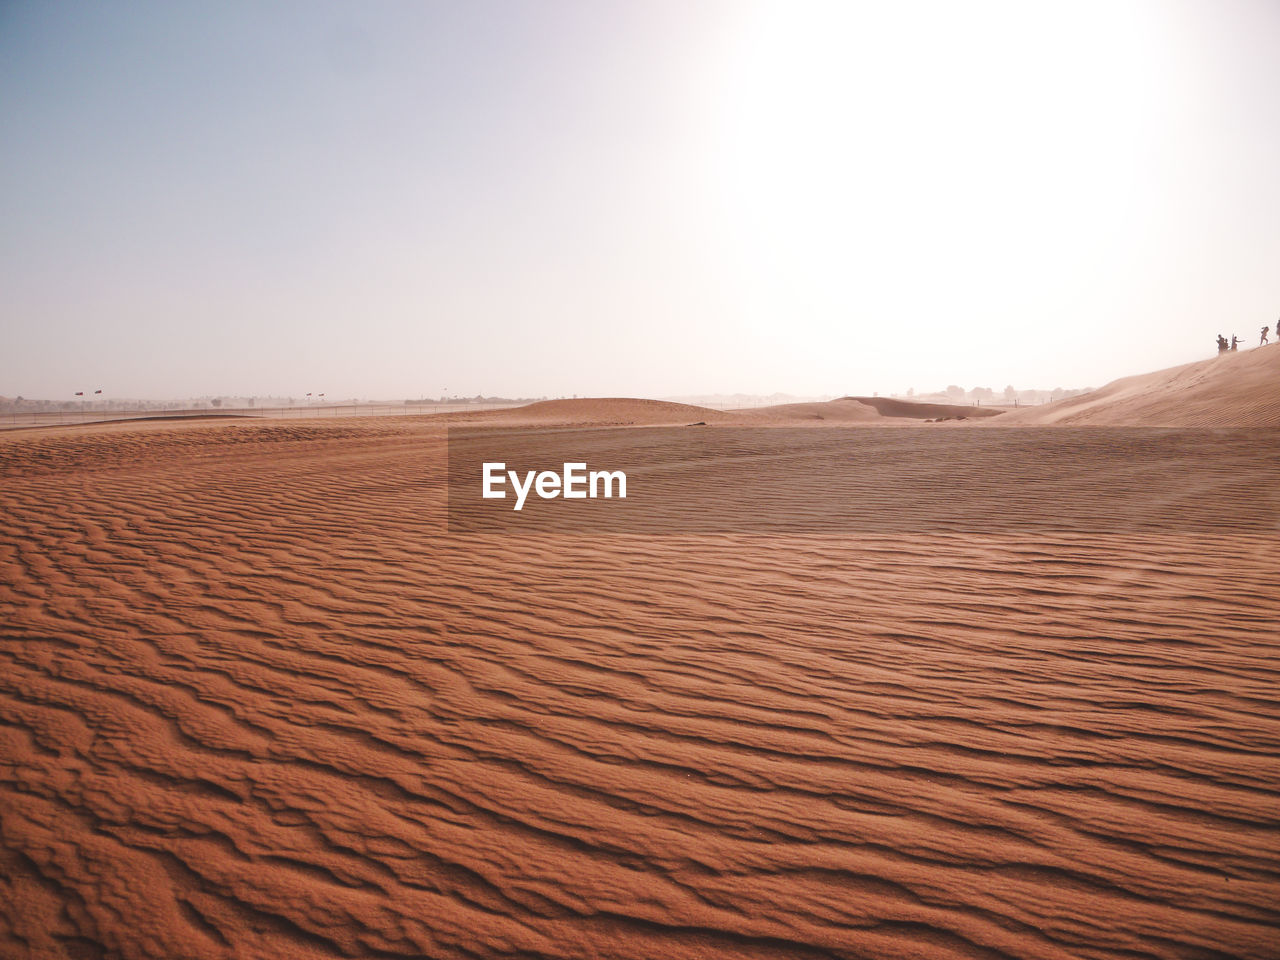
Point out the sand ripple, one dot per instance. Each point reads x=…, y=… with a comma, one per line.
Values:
x=254, y=703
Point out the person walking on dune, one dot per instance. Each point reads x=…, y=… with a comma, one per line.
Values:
x=1235, y=341
x=1264, y=335
x=1222, y=344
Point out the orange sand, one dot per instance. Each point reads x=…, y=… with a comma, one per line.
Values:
x=256, y=703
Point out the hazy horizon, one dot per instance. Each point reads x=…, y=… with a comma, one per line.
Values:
x=657, y=199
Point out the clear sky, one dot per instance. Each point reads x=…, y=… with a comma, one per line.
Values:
x=643, y=199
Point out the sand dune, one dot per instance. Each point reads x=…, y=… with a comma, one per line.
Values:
x=893, y=407
x=254, y=702
x=877, y=411
x=1240, y=389
x=620, y=411
x=845, y=410
x=597, y=411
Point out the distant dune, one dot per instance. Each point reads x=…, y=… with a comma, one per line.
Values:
x=880, y=410
x=844, y=410
x=600, y=411
x=1239, y=389
x=892, y=407
x=622, y=411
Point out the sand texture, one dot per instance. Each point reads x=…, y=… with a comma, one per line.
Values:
x=256, y=702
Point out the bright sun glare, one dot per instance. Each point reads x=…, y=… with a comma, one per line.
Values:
x=898, y=161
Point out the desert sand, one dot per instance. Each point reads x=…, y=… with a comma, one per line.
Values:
x=258, y=701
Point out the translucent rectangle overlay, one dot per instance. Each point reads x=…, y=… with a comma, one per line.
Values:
x=699, y=479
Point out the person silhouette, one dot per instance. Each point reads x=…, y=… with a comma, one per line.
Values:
x=1222, y=344
x=1264, y=335
x=1234, y=341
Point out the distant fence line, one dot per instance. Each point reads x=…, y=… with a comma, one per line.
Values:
x=53, y=418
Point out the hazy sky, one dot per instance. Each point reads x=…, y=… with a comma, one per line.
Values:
x=645, y=198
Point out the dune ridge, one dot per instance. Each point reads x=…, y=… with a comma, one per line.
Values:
x=1234, y=389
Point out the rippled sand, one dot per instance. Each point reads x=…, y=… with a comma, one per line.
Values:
x=255, y=702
